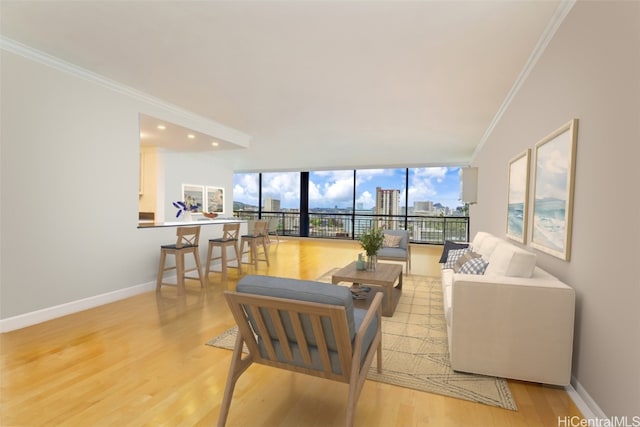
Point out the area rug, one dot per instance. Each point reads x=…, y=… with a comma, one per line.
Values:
x=414, y=349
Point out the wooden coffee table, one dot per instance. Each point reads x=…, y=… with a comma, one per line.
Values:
x=384, y=279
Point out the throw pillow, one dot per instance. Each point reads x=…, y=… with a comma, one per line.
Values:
x=463, y=260
x=474, y=266
x=453, y=257
x=449, y=245
x=391, y=241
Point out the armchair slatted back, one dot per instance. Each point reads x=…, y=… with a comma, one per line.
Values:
x=276, y=328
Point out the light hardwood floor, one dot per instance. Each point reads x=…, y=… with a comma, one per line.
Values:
x=143, y=361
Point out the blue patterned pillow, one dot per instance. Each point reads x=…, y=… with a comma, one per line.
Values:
x=449, y=246
x=474, y=266
x=453, y=256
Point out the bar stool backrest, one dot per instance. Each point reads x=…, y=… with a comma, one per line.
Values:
x=187, y=236
x=260, y=228
x=230, y=231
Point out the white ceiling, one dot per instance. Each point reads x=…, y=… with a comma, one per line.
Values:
x=407, y=74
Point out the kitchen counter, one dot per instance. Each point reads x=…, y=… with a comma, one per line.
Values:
x=200, y=221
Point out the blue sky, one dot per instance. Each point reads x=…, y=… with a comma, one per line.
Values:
x=328, y=189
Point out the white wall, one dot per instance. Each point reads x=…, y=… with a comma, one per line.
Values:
x=69, y=211
x=591, y=71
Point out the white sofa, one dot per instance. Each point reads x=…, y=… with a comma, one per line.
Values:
x=514, y=321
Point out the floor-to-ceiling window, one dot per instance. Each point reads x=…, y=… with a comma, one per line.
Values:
x=246, y=193
x=380, y=199
x=343, y=203
x=330, y=203
x=281, y=201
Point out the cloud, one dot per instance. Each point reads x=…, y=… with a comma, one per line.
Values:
x=552, y=172
x=366, y=199
x=282, y=186
x=246, y=188
x=422, y=184
x=335, y=187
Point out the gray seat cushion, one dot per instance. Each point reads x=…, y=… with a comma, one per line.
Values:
x=392, y=253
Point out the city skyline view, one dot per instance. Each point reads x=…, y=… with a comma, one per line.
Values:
x=334, y=189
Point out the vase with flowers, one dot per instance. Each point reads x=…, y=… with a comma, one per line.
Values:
x=185, y=208
x=371, y=241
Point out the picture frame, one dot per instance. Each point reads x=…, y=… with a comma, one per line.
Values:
x=215, y=200
x=193, y=195
x=518, y=197
x=553, y=189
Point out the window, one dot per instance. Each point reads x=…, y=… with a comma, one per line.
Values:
x=434, y=191
x=246, y=192
x=281, y=192
x=343, y=203
x=331, y=191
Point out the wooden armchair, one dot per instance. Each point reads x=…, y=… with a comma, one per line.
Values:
x=400, y=249
x=303, y=326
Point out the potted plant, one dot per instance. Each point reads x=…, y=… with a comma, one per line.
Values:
x=371, y=241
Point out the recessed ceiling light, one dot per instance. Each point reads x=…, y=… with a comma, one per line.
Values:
x=191, y=136
x=214, y=144
x=162, y=127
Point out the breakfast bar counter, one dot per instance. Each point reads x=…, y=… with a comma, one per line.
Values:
x=202, y=221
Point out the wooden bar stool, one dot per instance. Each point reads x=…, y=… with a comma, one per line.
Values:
x=229, y=238
x=186, y=242
x=257, y=236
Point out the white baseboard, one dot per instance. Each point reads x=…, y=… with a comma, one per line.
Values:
x=585, y=403
x=39, y=316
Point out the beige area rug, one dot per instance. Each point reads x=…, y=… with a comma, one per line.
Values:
x=414, y=349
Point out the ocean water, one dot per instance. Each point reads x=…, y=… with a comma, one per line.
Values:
x=515, y=219
x=549, y=223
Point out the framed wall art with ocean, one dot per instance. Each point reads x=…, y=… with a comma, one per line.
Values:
x=555, y=159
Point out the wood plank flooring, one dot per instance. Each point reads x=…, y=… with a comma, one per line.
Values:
x=143, y=362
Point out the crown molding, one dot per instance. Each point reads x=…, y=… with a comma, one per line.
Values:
x=189, y=119
x=547, y=35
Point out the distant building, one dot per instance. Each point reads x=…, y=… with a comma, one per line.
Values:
x=271, y=205
x=422, y=207
x=387, y=203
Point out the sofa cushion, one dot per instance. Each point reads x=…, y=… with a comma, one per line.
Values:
x=302, y=290
x=463, y=260
x=476, y=265
x=453, y=256
x=510, y=260
x=478, y=238
x=449, y=245
x=487, y=246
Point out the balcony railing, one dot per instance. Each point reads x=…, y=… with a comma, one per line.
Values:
x=423, y=229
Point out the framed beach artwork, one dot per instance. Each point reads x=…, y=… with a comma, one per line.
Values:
x=193, y=195
x=517, y=206
x=215, y=200
x=553, y=191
